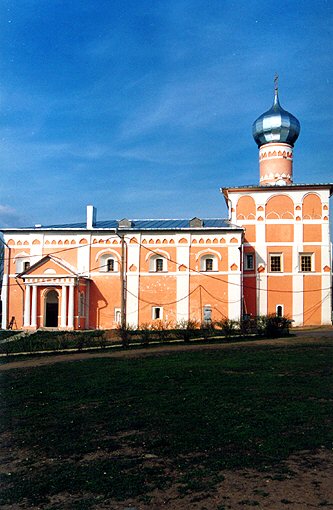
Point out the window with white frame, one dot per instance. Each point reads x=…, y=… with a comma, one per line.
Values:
x=279, y=310
x=117, y=315
x=305, y=262
x=108, y=263
x=248, y=261
x=275, y=262
x=208, y=263
x=157, y=313
x=157, y=264
x=22, y=264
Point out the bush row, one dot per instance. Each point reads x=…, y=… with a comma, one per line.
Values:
x=265, y=326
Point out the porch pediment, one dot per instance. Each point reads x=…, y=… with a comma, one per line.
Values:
x=49, y=267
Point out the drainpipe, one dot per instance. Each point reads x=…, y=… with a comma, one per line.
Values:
x=123, y=278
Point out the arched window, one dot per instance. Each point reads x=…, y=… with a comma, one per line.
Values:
x=157, y=264
x=208, y=263
x=279, y=310
x=108, y=263
x=22, y=262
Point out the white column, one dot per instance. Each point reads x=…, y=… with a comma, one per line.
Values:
x=34, y=307
x=4, y=299
x=63, y=306
x=26, y=319
x=71, y=307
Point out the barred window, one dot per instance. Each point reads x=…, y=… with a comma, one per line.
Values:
x=306, y=262
x=276, y=263
x=208, y=264
x=159, y=265
x=249, y=261
x=110, y=265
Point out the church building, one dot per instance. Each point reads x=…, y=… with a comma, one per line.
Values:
x=271, y=256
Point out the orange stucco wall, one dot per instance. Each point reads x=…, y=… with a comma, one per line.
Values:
x=312, y=299
x=279, y=292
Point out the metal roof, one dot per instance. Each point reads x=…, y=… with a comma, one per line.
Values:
x=137, y=225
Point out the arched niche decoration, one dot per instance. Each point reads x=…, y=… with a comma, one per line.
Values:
x=215, y=240
x=165, y=241
x=66, y=241
x=60, y=241
x=83, y=241
x=312, y=207
x=25, y=243
x=10, y=242
x=183, y=240
x=19, y=243
x=54, y=241
x=245, y=207
x=279, y=206
x=133, y=241
x=36, y=241
x=72, y=241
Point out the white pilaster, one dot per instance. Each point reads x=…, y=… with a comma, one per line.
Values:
x=63, y=306
x=26, y=318
x=183, y=284
x=71, y=307
x=262, y=283
x=298, y=307
x=326, y=309
x=34, y=307
x=132, y=283
x=4, y=299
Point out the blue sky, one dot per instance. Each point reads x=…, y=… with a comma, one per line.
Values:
x=144, y=108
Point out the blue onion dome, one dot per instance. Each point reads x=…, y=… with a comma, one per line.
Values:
x=276, y=125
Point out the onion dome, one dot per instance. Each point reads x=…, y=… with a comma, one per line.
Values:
x=276, y=125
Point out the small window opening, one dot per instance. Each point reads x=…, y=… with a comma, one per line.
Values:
x=159, y=265
x=279, y=310
x=26, y=265
x=157, y=313
x=209, y=264
x=110, y=265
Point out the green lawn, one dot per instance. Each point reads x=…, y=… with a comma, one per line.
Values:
x=117, y=428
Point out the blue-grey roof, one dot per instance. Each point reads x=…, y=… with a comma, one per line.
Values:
x=141, y=225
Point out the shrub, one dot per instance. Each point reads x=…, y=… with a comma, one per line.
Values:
x=125, y=334
x=207, y=329
x=162, y=329
x=144, y=333
x=229, y=327
x=272, y=326
x=187, y=329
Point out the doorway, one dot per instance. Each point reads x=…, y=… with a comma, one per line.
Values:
x=51, y=309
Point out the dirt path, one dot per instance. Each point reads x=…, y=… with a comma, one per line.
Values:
x=50, y=359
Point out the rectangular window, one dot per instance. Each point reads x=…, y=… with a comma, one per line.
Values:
x=209, y=264
x=159, y=265
x=306, y=262
x=26, y=266
x=157, y=312
x=110, y=265
x=275, y=263
x=249, y=261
